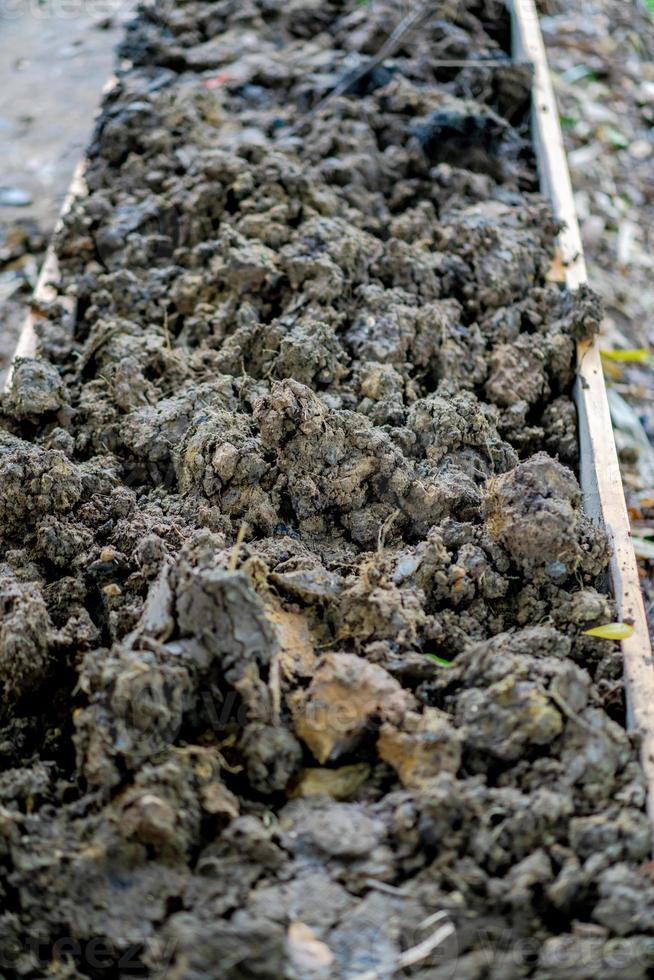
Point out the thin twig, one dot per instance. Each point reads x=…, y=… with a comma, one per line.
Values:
x=274, y=686
x=422, y=950
x=385, y=528
x=388, y=48
x=383, y=886
x=475, y=63
x=418, y=952
x=567, y=710
x=233, y=558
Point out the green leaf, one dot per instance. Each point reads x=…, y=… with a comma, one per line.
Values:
x=614, y=136
x=578, y=73
x=611, y=631
x=637, y=355
x=439, y=660
x=569, y=122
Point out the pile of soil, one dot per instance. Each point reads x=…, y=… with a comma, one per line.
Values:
x=296, y=574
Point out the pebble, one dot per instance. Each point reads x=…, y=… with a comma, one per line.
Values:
x=15, y=197
x=593, y=230
x=640, y=149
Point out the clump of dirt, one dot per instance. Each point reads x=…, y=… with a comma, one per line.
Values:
x=296, y=574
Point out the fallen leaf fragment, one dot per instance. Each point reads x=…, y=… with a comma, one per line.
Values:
x=219, y=801
x=216, y=80
x=635, y=355
x=614, y=137
x=337, y=783
x=294, y=638
x=611, y=631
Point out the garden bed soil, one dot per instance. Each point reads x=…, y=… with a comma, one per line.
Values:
x=296, y=575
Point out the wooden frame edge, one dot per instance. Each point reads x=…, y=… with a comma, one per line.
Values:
x=600, y=478
x=46, y=288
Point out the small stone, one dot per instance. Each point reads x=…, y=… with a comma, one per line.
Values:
x=305, y=950
x=15, y=197
x=151, y=820
x=345, y=695
x=426, y=745
x=641, y=149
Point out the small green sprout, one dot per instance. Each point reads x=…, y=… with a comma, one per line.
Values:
x=439, y=660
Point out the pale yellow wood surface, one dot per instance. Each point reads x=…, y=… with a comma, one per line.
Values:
x=46, y=286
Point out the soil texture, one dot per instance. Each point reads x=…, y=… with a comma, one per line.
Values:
x=296, y=575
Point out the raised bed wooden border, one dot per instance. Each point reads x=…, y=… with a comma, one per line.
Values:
x=604, y=499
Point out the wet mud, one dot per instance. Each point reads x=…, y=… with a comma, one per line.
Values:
x=295, y=569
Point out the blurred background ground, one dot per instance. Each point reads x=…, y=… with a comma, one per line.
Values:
x=55, y=56
x=601, y=54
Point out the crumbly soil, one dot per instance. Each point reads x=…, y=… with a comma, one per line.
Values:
x=296, y=573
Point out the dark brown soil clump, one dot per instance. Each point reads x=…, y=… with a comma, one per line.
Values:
x=296, y=573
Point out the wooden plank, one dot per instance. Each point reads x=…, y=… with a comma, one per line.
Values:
x=601, y=482
x=46, y=288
